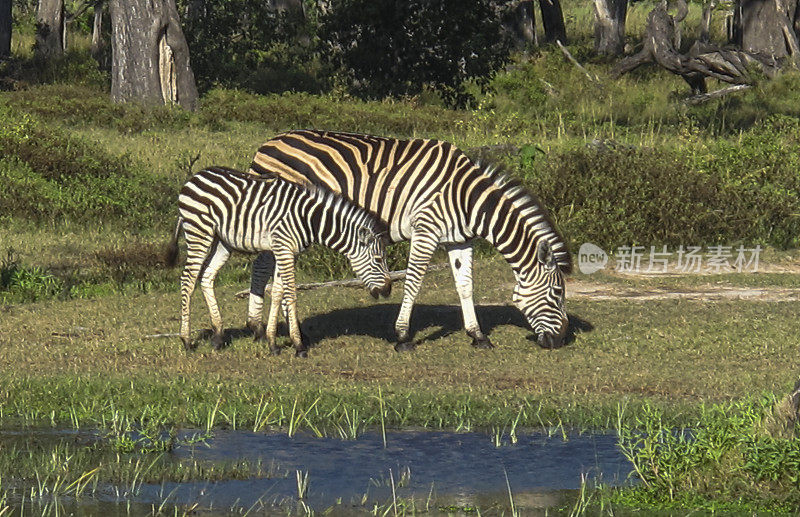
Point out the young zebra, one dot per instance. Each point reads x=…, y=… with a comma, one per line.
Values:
x=431, y=193
x=221, y=210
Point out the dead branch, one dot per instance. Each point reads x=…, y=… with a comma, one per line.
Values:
x=593, y=79
x=702, y=61
x=352, y=282
x=704, y=97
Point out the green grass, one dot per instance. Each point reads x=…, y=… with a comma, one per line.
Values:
x=724, y=460
x=88, y=354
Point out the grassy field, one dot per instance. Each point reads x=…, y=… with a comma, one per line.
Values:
x=89, y=357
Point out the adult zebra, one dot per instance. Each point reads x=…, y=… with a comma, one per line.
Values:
x=222, y=209
x=431, y=193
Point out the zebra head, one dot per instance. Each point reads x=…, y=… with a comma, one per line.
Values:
x=539, y=294
x=368, y=259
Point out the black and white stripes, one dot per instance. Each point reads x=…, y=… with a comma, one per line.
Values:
x=222, y=210
x=431, y=193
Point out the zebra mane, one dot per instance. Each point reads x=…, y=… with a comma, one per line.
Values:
x=325, y=195
x=513, y=187
x=318, y=191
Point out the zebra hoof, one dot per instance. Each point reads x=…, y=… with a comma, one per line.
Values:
x=301, y=353
x=405, y=346
x=275, y=350
x=482, y=343
x=188, y=345
x=218, y=341
x=259, y=331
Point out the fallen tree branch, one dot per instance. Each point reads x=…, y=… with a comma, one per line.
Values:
x=352, y=282
x=593, y=79
x=704, y=97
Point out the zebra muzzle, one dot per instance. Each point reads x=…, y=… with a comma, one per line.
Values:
x=384, y=291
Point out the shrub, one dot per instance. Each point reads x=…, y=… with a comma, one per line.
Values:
x=248, y=44
x=299, y=110
x=25, y=283
x=721, y=194
x=725, y=453
x=51, y=176
x=395, y=48
x=79, y=104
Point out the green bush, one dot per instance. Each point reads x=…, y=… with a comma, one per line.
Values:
x=725, y=455
x=396, y=48
x=87, y=105
x=717, y=193
x=50, y=176
x=19, y=283
x=300, y=110
x=248, y=44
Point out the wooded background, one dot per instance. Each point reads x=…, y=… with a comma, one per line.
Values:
x=165, y=51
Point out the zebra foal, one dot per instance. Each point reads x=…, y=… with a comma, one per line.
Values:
x=223, y=210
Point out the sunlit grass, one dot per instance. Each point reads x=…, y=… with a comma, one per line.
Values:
x=88, y=354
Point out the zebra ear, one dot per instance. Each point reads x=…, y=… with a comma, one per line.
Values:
x=364, y=235
x=545, y=255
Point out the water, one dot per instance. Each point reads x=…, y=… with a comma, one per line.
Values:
x=439, y=469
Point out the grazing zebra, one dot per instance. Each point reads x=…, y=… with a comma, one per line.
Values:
x=431, y=193
x=221, y=210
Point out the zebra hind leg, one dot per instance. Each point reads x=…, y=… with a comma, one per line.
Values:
x=263, y=269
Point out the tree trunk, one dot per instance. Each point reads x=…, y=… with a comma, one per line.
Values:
x=705, y=26
x=609, y=26
x=767, y=27
x=553, y=21
x=519, y=20
x=150, y=58
x=50, y=27
x=97, y=30
x=286, y=5
x=5, y=28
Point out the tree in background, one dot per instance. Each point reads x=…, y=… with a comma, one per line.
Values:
x=98, y=42
x=609, y=26
x=50, y=29
x=150, y=58
x=553, y=21
x=388, y=47
x=263, y=46
x=6, y=22
x=769, y=27
x=519, y=20
x=704, y=60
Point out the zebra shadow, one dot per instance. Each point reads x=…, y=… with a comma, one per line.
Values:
x=378, y=320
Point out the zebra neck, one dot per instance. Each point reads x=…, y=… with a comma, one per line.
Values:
x=332, y=226
x=513, y=235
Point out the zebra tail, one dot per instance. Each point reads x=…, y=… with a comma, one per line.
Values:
x=171, y=253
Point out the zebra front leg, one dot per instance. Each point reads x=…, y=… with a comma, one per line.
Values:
x=217, y=260
x=263, y=269
x=460, y=256
x=274, y=308
x=285, y=261
x=423, y=244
